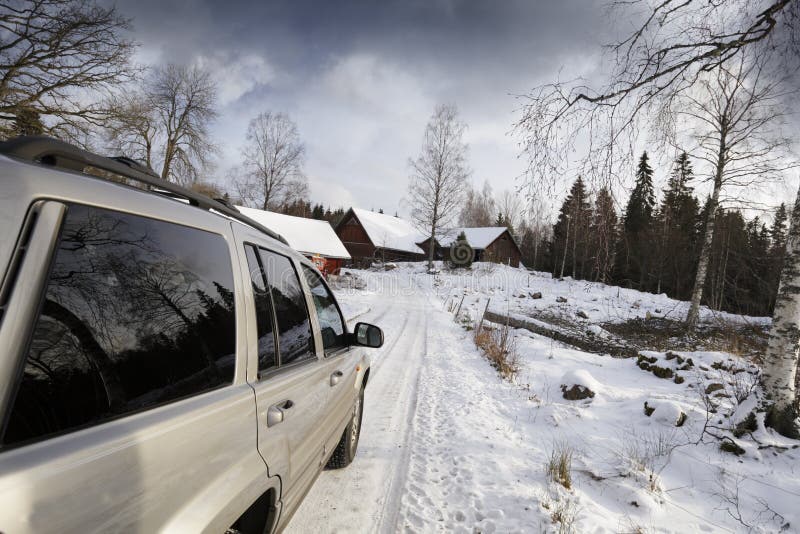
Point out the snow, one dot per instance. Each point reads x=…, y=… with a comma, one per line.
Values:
x=308, y=236
x=580, y=377
x=390, y=232
x=448, y=446
x=478, y=238
x=511, y=291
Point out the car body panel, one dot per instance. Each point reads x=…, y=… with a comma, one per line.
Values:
x=193, y=465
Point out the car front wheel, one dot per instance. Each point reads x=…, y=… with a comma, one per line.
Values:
x=346, y=449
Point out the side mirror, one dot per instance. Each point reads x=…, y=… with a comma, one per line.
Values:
x=367, y=335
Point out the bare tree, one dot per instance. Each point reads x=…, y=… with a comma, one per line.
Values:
x=184, y=101
x=54, y=55
x=511, y=208
x=273, y=160
x=732, y=114
x=439, y=175
x=536, y=230
x=676, y=41
x=133, y=128
x=165, y=122
x=479, y=207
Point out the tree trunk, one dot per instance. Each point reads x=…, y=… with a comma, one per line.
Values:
x=693, y=315
x=566, y=247
x=780, y=361
x=575, y=249
x=165, y=169
x=431, y=247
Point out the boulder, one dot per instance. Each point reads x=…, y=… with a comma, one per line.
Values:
x=576, y=392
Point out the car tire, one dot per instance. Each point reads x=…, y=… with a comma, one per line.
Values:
x=346, y=449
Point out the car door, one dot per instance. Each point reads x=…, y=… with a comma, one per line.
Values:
x=340, y=360
x=290, y=383
x=131, y=412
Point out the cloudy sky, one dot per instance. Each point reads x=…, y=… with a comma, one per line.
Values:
x=361, y=78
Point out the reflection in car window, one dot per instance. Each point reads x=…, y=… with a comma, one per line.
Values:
x=137, y=313
x=295, y=341
x=266, y=338
x=330, y=319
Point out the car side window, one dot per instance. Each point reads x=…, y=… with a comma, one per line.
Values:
x=331, y=324
x=137, y=313
x=264, y=328
x=295, y=338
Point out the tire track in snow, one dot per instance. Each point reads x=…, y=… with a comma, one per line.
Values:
x=389, y=522
x=365, y=496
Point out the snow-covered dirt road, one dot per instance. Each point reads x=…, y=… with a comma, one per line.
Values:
x=448, y=446
x=427, y=419
x=366, y=497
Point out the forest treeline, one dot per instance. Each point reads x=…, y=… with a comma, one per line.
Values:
x=654, y=246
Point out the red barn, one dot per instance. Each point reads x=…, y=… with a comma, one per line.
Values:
x=370, y=236
x=315, y=239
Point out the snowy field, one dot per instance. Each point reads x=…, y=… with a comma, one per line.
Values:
x=449, y=446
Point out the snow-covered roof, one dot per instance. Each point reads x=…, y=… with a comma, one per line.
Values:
x=388, y=231
x=476, y=237
x=308, y=236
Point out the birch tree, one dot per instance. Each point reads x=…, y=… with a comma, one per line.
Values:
x=569, y=124
x=439, y=175
x=273, y=163
x=783, y=351
x=733, y=114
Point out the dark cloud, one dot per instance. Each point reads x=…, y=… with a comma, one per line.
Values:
x=361, y=78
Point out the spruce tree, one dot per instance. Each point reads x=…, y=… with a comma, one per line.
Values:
x=675, y=225
x=639, y=211
x=570, y=233
x=638, y=228
x=777, y=251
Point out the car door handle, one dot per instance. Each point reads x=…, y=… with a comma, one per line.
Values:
x=277, y=412
x=335, y=377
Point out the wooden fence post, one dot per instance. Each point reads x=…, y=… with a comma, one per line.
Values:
x=480, y=325
x=458, y=310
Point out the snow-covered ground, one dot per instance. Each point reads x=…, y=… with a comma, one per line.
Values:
x=448, y=446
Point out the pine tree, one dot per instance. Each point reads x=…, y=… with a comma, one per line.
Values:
x=777, y=236
x=637, y=242
x=675, y=224
x=778, y=230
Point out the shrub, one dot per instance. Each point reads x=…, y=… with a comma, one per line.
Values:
x=732, y=447
x=500, y=348
x=559, y=464
x=748, y=424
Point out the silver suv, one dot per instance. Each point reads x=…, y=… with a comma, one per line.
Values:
x=166, y=364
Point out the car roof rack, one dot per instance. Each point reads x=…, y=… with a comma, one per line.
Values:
x=55, y=153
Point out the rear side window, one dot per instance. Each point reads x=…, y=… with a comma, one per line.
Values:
x=266, y=337
x=331, y=324
x=137, y=313
x=295, y=340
